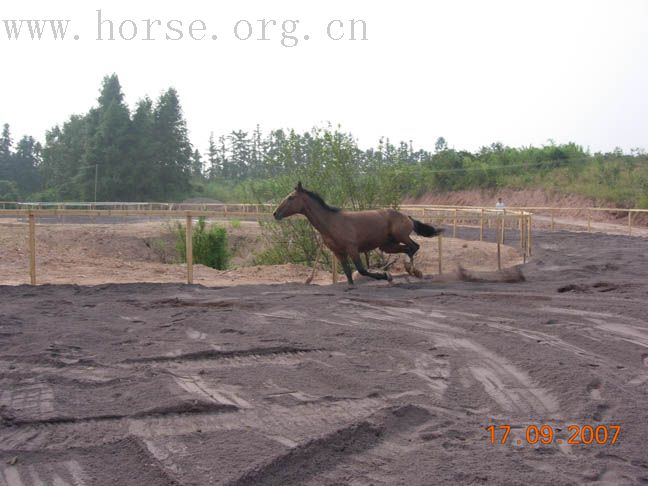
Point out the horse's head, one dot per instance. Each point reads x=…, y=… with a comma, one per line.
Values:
x=292, y=204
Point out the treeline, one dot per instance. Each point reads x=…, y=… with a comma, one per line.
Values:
x=114, y=154
x=332, y=162
x=107, y=154
x=19, y=166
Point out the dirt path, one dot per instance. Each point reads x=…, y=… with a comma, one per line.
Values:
x=286, y=384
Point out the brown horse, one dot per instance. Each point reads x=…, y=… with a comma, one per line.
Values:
x=348, y=234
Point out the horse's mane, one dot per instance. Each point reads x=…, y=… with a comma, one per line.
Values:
x=318, y=199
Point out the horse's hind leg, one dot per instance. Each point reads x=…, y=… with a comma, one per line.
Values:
x=412, y=248
x=394, y=247
x=363, y=271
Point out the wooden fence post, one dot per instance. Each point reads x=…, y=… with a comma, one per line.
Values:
x=335, y=268
x=529, y=237
x=499, y=256
x=589, y=220
x=481, y=225
x=503, y=224
x=32, y=249
x=629, y=223
x=500, y=235
x=454, y=224
x=189, y=245
x=440, y=238
x=521, y=227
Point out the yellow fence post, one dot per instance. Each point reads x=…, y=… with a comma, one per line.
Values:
x=500, y=235
x=32, y=249
x=481, y=225
x=440, y=238
x=189, y=244
x=529, y=237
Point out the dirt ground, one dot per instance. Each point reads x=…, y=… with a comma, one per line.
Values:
x=165, y=384
x=92, y=254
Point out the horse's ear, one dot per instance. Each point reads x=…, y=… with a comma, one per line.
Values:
x=299, y=187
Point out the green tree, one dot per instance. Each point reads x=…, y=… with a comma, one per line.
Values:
x=108, y=146
x=6, y=143
x=214, y=168
x=26, y=162
x=172, y=142
x=144, y=152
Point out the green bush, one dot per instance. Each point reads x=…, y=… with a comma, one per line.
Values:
x=8, y=191
x=291, y=241
x=209, y=244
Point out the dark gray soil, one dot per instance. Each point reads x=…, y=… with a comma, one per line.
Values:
x=150, y=384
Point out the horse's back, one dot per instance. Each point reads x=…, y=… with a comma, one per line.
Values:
x=381, y=223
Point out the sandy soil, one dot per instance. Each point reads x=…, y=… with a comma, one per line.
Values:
x=282, y=384
x=91, y=254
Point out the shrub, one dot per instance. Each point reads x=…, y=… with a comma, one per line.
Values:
x=209, y=244
x=235, y=223
x=291, y=241
x=8, y=191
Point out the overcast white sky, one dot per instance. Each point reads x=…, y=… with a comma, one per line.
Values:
x=475, y=72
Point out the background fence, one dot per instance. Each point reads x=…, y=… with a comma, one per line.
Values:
x=502, y=221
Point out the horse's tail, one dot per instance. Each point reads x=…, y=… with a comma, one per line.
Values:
x=425, y=229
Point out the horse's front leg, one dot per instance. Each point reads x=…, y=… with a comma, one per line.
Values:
x=363, y=271
x=346, y=267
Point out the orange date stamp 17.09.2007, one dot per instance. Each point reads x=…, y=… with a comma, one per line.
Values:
x=546, y=434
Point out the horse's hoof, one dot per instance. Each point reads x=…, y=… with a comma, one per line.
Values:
x=389, y=277
x=417, y=273
x=408, y=267
x=349, y=287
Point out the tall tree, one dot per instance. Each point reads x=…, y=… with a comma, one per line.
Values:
x=174, y=148
x=196, y=164
x=212, y=158
x=26, y=162
x=239, y=163
x=5, y=153
x=144, y=152
x=62, y=155
x=108, y=148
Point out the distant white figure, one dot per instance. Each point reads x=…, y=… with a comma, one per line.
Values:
x=500, y=204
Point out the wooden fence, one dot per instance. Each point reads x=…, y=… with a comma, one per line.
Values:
x=475, y=217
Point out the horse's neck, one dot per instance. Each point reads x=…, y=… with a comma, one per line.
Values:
x=319, y=217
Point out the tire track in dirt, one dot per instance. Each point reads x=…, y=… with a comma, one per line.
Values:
x=511, y=388
x=322, y=454
x=290, y=424
x=67, y=473
x=628, y=331
x=213, y=354
x=613, y=326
